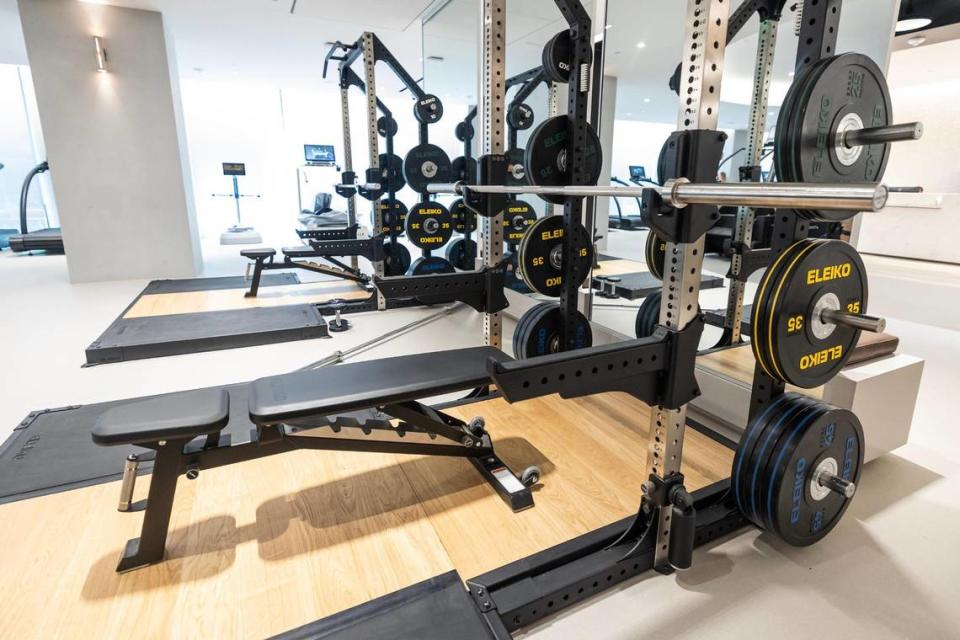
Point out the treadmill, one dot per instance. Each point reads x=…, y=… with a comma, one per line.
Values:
x=630, y=222
x=49, y=240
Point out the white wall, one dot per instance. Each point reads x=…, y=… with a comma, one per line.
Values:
x=112, y=140
x=266, y=127
x=925, y=87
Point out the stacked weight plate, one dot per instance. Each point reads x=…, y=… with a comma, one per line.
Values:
x=775, y=470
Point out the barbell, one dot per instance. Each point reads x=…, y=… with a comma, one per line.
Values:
x=680, y=193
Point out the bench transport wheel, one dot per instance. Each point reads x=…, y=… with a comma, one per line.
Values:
x=530, y=476
x=477, y=426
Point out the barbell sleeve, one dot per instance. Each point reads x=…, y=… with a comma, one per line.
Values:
x=789, y=195
x=680, y=193
x=883, y=135
x=872, y=324
x=836, y=484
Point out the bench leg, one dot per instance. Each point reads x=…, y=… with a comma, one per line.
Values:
x=149, y=547
x=255, y=284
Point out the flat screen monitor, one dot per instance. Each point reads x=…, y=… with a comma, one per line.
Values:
x=637, y=173
x=319, y=154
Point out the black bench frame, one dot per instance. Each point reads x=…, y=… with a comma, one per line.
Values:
x=327, y=244
x=422, y=430
x=636, y=367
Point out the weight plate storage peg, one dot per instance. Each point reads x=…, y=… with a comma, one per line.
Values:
x=520, y=116
x=428, y=109
x=391, y=172
x=426, y=163
x=516, y=168
x=546, y=156
x=464, y=220
x=538, y=331
x=393, y=217
x=556, y=57
x=387, y=126
x=655, y=253
x=396, y=259
x=427, y=266
x=801, y=324
x=517, y=218
x=429, y=225
x=796, y=469
x=462, y=254
x=541, y=251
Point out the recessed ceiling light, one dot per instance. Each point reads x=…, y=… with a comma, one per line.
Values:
x=608, y=26
x=916, y=41
x=911, y=24
x=628, y=114
x=646, y=99
x=641, y=45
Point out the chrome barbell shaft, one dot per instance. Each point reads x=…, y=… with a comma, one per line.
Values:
x=872, y=324
x=679, y=193
x=883, y=135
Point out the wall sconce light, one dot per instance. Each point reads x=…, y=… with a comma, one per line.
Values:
x=101, y=54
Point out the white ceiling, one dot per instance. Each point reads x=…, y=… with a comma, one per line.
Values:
x=643, y=93
x=260, y=41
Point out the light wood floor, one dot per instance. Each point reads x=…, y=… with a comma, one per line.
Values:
x=619, y=267
x=268, y=545
x=161, y=304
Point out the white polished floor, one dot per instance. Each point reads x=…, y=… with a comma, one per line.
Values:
x=890, y=570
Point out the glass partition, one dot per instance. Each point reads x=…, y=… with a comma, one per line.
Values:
x=642, y=43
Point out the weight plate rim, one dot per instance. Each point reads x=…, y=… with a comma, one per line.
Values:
x=808, y=247
x=527, y=320
x=788, y=453
x=759, y=308
x=528, y=237
x=811, y=381
x=808, y=411
x=857, y=59
x=444, y=168
x=788, y=412
x=445, y=234
x=424, y=259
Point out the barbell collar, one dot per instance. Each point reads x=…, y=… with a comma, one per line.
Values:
x=883, y=135
x=872, y=324
x=680, y=193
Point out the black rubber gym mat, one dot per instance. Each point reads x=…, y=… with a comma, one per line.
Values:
x=170, y=335
x=633, y=286
x=51, y=451
x=435, y=609
x=213, y=284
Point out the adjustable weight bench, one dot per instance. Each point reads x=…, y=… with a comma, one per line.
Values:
x=350, y=407
x=327, y=244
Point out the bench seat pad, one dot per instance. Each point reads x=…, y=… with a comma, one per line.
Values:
x=359, y=385
x=302, y=251
x=177, y=415
x=253, y=254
